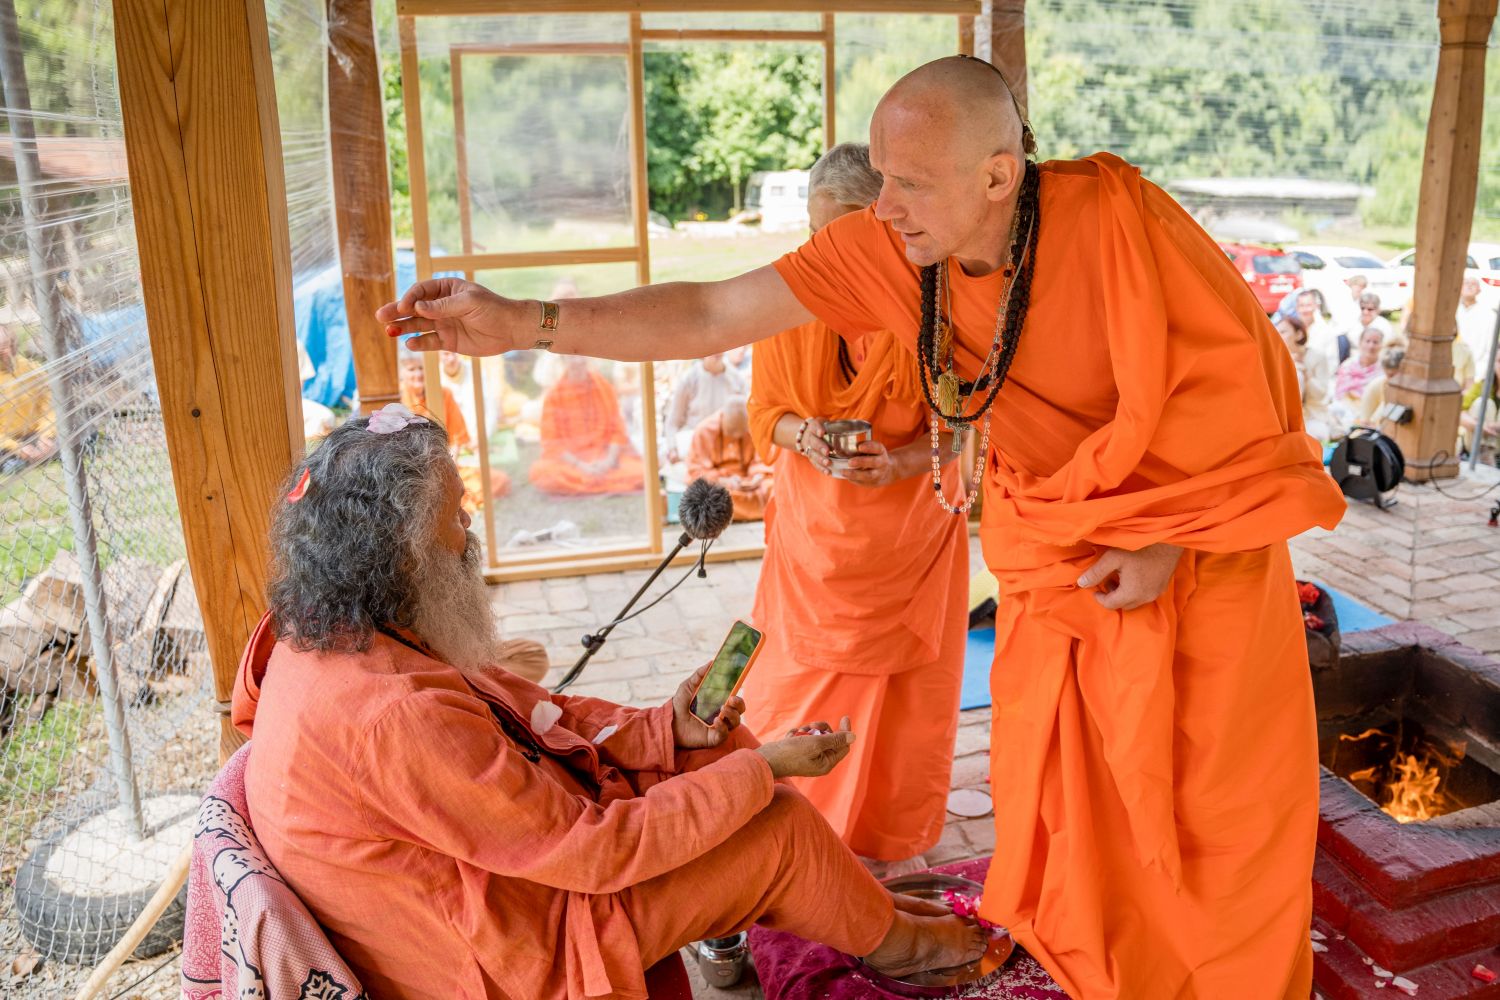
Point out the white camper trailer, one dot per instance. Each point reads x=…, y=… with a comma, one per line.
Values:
x=780, y=198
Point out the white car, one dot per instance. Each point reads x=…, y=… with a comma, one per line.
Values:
x=1327, y=268
x=1483, y=263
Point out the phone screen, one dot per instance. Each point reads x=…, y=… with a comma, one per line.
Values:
x=724, y=674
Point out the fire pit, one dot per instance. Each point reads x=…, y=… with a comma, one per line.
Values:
x=1407, y=877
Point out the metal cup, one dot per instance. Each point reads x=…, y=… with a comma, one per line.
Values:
x=721, y=961
x=844, y=438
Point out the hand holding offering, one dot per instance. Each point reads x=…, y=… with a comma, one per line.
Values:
x=810, y=752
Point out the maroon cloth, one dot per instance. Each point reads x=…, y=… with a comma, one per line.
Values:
x=793, y=969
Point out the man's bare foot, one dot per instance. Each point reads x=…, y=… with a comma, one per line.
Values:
x=918, y=943
x=921, y=907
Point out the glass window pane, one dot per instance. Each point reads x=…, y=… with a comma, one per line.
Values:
x=738, y=21
x=873, y=51
x=565, y=434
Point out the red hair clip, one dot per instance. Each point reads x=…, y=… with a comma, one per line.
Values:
x=300, y=490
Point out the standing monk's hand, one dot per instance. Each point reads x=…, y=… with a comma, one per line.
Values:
x=808, y=756
x=456, y=315
x=688, y=732
x=814, y=446
x=1129, y=580
x=873, y=466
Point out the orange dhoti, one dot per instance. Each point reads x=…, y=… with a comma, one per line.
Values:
x=585, y=448
x=861, y=598
x=732, y=463
x=1155, y=771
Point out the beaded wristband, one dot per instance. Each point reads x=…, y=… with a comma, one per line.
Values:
x=801, y=431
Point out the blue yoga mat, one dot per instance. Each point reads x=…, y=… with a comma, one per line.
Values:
x=1353, y=617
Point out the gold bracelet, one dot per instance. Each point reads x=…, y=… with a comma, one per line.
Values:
x=548, y=324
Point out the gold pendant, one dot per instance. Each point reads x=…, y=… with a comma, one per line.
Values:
x=947, y=393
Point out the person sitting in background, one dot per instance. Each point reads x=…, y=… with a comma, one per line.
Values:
x=585, y=447
x=317, y=419
x=1355, y=375
x=28, y=425
x=1476, y=322
x=460, y=445
x=1373, y=400
x=1322, y=338
x=459, y=831
x=1345, y=310
x=698, y=395
x=1468, y=420
x=1314, y=379
x=458, y=379
x=1369, y=319
x=723, y=452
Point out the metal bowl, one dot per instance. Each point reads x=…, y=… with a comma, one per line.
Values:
x=961, y=980
x=845, y=436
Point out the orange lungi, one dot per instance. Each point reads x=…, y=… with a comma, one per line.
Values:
x=581, y=420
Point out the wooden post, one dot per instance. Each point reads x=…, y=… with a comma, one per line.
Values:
x=640, y=210
x=1007, y=43
x=204, y=149
x=1445, y=211
x=830, y=71
x=362, y=195
x=966, y=35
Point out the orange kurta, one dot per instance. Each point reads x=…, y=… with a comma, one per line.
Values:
x=451, y=850
x=861, y=597
x=580, y=422
x=458, y=438
x=714, y=456
x=1155, y=771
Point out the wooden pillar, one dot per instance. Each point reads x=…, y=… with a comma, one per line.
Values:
x=1004, y=44
x=204, y=149
x=1445, y=211
x=362, y=195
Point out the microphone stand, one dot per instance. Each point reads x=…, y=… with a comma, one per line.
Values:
x=594, y=640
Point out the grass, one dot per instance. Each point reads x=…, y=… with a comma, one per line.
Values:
x=35, y=759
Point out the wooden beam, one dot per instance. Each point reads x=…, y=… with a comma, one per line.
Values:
x=541, y=49
x=452, y=8
x=1445, y=212
x=728, y=35
x=362, y=195
x=204, y=149
x=640, y=211
x=966, y=35
x=585, y=565
x=830, y=87
x=1007, y=44
x=533, y=258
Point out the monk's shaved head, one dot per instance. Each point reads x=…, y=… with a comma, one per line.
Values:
x=965, y=98
x=950, y=146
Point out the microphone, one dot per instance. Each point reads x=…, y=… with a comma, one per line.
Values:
x=705, y=511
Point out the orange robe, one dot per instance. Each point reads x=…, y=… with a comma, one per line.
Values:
x=450, y=849
x=714, y=457
x=1155, y=771
x=582, y=419
x=458, y=439
x=862, y=597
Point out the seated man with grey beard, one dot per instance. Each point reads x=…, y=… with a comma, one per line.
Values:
x=460, y=832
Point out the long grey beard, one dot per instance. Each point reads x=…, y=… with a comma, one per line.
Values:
x=453, y=614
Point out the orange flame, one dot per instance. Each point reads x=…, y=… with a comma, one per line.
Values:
x=1414, y=794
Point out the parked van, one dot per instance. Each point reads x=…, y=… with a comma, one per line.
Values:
x=779, y=197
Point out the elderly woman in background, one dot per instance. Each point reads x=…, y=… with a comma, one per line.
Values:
x=864, y=585
x=1314, y=373
x=1355, y=375
x=460, y=832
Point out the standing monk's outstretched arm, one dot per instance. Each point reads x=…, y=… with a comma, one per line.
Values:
x=680, y=319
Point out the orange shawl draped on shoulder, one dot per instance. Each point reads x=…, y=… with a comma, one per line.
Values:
x=855, y=579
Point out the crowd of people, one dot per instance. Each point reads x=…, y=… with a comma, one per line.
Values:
x=1342, y=373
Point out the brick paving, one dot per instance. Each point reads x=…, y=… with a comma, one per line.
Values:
x=1432, y=557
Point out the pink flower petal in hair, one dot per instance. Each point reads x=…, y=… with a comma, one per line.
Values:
x=393, y=417
x=300, y=490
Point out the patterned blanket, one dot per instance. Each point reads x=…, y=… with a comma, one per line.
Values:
x=248, y=936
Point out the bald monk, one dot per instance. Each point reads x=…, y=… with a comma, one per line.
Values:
x=1154, y=747
x=460, y=832
x=862, y=589
x=585, y=447
x=460, y=444
x=723, y=452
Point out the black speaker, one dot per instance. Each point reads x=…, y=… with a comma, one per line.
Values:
x=1367, y=465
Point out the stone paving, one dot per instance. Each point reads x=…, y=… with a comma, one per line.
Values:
x=1430, y=557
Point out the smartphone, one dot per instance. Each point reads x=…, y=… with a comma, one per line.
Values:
x=726, y=673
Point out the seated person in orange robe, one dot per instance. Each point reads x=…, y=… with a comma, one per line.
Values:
x=460, y=446
x=723, y=452
x=862, y=590
x=461, y=832
x=585, y=447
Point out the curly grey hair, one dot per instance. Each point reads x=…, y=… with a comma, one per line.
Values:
x=348, y=556
x=845, y=173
